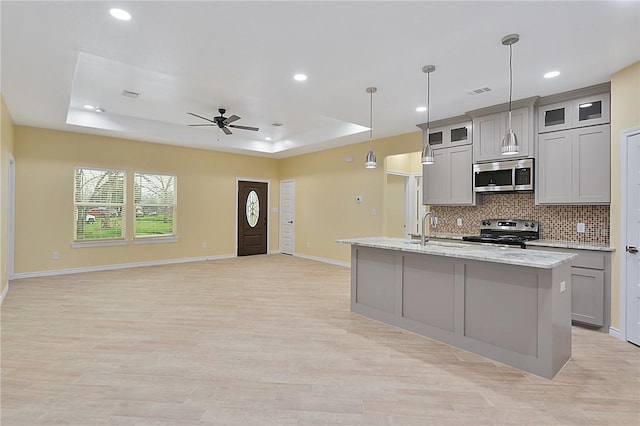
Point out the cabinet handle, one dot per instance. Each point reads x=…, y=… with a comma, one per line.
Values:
x=289, y=221
x=632, y=249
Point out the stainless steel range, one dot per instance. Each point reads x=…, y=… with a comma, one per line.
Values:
x=507, y=231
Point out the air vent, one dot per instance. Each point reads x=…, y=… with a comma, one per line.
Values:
x=130, y=94
x=276, y=124
x=479, y=91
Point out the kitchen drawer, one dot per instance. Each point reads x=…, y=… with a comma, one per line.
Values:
x=589, y=259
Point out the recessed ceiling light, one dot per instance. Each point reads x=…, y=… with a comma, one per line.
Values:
x=300, y=77
x=552, y=74
x=421, y=109
x=87, y=106
x=267, y=138
x=120, y=14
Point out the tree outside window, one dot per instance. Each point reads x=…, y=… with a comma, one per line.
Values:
x=99, y=204
x=155, y=204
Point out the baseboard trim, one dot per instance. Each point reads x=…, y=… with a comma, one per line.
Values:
x=54, y=272
x=615, y=333
x=4, y=293
x=324, y=260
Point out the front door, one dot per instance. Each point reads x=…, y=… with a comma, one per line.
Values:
x=252, y=218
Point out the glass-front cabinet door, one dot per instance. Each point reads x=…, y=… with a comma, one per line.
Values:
x=587, y=111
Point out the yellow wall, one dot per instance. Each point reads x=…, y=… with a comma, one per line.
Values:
x=206, y=212
x=625, y=114
x=326, y=189
x=6, y=151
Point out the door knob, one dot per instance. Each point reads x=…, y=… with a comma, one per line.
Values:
x=632, y=249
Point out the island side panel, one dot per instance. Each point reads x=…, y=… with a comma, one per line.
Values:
x=561, y=316
x=500, y=306
x=428, y=290
x=375, y=277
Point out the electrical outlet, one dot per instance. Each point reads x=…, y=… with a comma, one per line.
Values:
x=563, y=286
x=55, y=255
x=204, y=244
x=581, y=228
x=459, y=221
x=434, y=220
x=373, y=212
x=308, y=244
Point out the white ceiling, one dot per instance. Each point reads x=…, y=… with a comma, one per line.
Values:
x=199, y=56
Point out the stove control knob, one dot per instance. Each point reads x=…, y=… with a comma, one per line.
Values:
x=526, y=225
x=488, y=222
x=533, y=225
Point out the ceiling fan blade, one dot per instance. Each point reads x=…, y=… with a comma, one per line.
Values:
x=226, y=131
x=198, y=125
x=199, y=116
x=231, y=119
x=255, y=129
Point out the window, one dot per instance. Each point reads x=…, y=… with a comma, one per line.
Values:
x=99, y=204
x=155, y=204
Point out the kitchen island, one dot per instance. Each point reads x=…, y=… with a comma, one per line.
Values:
x=507, y=304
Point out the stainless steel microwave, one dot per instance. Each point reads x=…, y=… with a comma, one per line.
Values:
x=511, y=175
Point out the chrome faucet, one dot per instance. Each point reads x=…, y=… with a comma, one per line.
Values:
x=423, y=236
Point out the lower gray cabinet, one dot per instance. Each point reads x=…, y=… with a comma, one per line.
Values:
x=590, y=286
x=587, y=296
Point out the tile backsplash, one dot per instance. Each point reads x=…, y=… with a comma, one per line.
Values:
x=556, y=222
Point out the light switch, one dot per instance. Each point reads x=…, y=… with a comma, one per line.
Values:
x=581, y=228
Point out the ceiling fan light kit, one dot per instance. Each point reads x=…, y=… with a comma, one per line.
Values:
x=510, y=141
x=370, y=161
x=223, y=122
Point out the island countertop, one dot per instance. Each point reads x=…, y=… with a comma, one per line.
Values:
x=482, y=252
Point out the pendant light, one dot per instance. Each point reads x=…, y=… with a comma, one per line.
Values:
x=370, y=162
x=427, y=152
x=510, y=141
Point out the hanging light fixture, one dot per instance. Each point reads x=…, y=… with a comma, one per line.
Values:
x=370, y=162
x=510, y=141
x=427, y=151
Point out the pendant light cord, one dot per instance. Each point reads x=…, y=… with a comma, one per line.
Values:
x=370, y=119
x=510, y=83
x=428, y=106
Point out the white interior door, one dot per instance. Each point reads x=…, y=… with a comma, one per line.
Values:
x=631, y=240
x=287, y=216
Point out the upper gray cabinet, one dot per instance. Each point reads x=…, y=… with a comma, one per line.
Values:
x=449, y=181
x=451, y=135
x=585, y=111
x=574, y=147
x=491, y=124
x=574, y=166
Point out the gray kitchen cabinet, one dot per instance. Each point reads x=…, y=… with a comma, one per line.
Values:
x=587, y=296
x=574, y=166
x=449, y=181
x=585, y=111
x=489, y=130
x=590, y=286
x=451, y=135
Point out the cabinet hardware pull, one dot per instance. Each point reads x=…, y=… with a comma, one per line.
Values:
x=632, y=249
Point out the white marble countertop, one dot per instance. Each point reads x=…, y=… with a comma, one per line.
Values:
x=539, y=243
x=483, y=252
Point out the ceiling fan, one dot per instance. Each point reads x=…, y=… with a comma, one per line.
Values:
x=223, y=122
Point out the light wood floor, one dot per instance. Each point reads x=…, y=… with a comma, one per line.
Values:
x=270, y=340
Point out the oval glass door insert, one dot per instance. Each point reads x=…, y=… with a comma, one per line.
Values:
x=252, y=208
